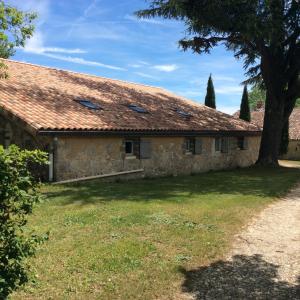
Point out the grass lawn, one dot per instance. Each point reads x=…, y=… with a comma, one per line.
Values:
x=132, y=240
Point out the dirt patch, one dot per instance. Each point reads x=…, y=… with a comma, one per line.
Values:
x=264, y=262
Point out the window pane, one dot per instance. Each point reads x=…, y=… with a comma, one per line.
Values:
x=128, y=147
x=190, y=145
x=241, y=143
x=89, y=104
x=137, y=108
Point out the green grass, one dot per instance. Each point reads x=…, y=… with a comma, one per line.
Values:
x=131, y=240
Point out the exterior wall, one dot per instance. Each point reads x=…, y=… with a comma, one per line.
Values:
x=14, y=132
x=293, y=150
x=83, y=156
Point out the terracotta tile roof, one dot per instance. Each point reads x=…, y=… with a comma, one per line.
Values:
x=44, y=98
x=257, y=117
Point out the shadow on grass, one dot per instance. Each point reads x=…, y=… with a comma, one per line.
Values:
x=245, y=277
x=262, y=182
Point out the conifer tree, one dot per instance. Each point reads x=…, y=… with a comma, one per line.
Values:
x=245, y=110
x=210, y=98
x=270, y=54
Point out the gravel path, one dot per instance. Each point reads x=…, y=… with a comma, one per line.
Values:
x=264, y=262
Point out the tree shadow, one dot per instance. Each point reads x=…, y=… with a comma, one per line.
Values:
x=251, y=181
x=242, y=277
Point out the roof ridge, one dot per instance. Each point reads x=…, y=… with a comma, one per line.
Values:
x=80, y=73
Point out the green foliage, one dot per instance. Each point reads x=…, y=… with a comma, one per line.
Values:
x=15, y=28
x=210, y=98
x=284, y=143
x=18, y=194
x=245, y=110
x=265, y=34
x=256, y=95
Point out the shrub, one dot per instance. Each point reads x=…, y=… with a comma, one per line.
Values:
x=18, y=194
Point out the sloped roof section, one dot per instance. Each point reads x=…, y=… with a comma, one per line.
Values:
x=257, y=117
x=47, y=99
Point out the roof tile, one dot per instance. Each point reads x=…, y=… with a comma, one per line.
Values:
x=44, y=98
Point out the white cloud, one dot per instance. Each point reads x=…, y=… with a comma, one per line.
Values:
x=136, y=66
x=36, y=45
x=146, y=75
x=228, y=109
x=82, y=61
x=143, y=20
x=166, y=68
x=229, y=90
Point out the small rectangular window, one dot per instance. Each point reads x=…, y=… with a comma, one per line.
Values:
x=132, y=147
x=89, y=104
x=241, y=143
x=129, y=147
x=137, y=108
x=190, y=145
x=217, y=144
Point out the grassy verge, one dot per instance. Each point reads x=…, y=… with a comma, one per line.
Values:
x=130, y=240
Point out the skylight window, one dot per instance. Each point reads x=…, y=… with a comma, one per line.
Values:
x=183, y=113
x=137, y=108
x=89, y=104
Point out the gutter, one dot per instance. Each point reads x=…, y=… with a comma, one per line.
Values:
x=136, y=133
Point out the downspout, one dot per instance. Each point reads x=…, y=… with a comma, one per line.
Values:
x=52, y=160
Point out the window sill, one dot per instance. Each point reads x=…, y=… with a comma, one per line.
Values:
x=130, y=157
x=188, y=153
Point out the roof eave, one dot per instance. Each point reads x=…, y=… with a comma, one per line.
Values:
x=129, y=133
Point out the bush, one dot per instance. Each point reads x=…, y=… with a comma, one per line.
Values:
x=18, y=194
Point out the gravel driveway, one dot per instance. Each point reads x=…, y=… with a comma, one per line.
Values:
x=264, y=262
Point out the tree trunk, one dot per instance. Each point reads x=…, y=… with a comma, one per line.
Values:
x=272, y=131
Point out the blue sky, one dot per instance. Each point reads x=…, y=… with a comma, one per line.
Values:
x=103, y=37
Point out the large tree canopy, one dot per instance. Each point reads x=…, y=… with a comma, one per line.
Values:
x=15, y=28
x=264, y=33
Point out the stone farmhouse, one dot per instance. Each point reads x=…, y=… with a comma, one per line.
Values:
x=293, y=153
x=94, y=126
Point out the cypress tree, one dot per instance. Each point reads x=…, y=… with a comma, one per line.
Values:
x=210, y=98
x=245, y=110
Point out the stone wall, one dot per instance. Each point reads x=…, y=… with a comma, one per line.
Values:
x=293, y=150
x=14, y=132
x=89, y=156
